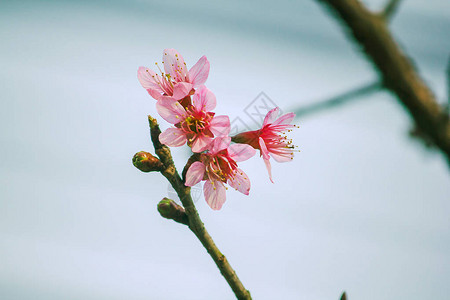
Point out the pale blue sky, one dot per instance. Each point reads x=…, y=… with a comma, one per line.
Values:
x=362, y=208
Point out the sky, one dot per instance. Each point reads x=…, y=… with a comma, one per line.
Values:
x=362, y=208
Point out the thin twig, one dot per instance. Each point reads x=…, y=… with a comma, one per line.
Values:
x=195, y=223
x=448, y=86
x=352, y=95
x=390, y=9
x=395, y=69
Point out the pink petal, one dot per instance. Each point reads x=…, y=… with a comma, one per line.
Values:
x=282, y=158
x=170, y=110
x=266, y=157
x=215, y=194
x=220, y=125
x=195, y=173
x=181, y=90
x=263, y=148
x=201, y=143
x=173, y=137
x=166, y=98
x=269, y=168
x=147, y=77
x=219, y=144
x=204, y=100
x=156, y=94
x=174, y=64
x=284, y=119
x=199, y=72
x=240, y=182
x=240, y=152
x=271, y=116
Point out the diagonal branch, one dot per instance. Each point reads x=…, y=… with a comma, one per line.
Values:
x=194, y=222
x=396, y=70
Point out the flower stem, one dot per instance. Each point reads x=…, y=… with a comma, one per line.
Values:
x=195, y=223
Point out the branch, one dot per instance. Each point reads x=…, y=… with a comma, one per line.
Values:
x=348, y=96
x=390, y=9
x=194, y=222
x=448, y=86
x=395, y=69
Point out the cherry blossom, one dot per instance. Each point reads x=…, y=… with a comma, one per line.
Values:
x=270, y=139
x=195, y=124
x=175, y=81
x=218, y=167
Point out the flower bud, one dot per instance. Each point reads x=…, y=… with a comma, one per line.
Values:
x=170, y=210
x=146, y=162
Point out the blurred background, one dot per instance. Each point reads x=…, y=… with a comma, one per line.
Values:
x=362, y=208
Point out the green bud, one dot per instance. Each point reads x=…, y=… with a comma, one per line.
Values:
x=170, y=210
x=146, y=162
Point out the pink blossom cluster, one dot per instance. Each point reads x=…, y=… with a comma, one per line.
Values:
x=184, y=101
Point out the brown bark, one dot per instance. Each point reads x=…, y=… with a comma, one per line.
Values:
x=396, y=70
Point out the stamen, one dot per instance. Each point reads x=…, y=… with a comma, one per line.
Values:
x=162, y=73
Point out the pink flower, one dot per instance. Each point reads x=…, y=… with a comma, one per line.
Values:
x=270, y=140
x=176, y=81
x=195, y=124
x=217, y=167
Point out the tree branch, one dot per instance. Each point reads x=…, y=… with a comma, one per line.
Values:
x=346, y=97
x=395, y=69
x=390, y=9
x=194, y=222
x=448, y=86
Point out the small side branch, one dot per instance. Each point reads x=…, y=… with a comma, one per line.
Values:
x=352, y=95
x=448, y=86
x=390, y=9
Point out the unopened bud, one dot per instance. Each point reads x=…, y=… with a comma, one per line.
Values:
x=170, y=210
x=146, y=162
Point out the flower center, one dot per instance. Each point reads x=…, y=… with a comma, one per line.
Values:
x=220, y=167
x=193, y=124
x=196, y=122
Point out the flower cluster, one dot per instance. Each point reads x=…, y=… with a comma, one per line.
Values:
x=184, y=101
